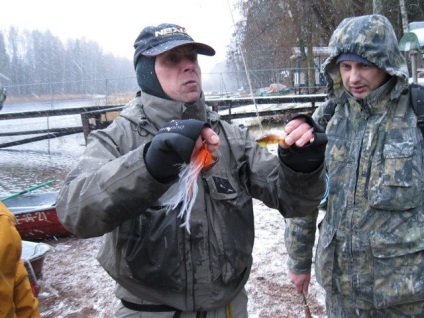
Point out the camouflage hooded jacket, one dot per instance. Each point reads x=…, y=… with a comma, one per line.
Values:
x=371, y=240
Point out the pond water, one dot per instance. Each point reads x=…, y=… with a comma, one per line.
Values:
x=33, y=163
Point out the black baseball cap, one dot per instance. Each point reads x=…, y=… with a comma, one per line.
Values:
x=155, y=40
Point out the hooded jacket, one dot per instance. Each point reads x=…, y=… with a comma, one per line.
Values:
x=16, y=297
x=371, y=239
x=145, y=250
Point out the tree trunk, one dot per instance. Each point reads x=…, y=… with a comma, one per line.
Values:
x=377, y=6
x=404, y=15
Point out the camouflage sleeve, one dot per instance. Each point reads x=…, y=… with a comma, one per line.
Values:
x=319, y=116
x=300, y=232
x=299, y=240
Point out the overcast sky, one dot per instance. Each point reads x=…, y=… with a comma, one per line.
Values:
x=115, y=25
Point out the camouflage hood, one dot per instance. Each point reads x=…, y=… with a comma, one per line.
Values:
x=372, y=37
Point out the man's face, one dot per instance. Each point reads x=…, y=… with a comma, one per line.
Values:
x=179, y=74
x=361, y=79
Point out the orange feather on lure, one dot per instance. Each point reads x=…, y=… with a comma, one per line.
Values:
x=188, y=188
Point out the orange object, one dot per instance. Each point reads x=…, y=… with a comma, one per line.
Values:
x=204, y=158
x=17, y=298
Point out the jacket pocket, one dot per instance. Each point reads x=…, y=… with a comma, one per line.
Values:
x=231, y=226
x=324, y=256
x=398, y=267
x=152, y=250
x=394, y=181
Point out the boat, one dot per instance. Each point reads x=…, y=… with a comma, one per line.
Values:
x=33, y=255
x=36, y=215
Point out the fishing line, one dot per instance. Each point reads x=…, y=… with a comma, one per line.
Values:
x=246, y=71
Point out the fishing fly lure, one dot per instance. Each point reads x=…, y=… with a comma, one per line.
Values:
x=187, y=188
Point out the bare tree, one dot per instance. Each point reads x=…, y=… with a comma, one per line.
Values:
x=38, y=58
x=404, y=15
x=378, y=6
x=4, y=61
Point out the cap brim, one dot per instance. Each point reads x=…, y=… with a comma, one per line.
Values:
x=164, y=47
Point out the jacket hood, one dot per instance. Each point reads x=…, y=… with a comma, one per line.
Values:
x=373, y=38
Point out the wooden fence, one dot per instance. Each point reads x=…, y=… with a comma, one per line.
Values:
x=97, y=117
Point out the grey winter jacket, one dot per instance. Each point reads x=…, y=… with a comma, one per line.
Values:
x=111, y=192
x=371, y=240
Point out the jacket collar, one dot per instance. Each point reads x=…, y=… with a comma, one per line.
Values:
x=152, y=112
x=376, y=101
x=160, y=111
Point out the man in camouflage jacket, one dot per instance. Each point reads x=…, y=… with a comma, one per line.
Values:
x=370, y=255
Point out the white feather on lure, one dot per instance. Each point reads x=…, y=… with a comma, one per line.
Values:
x=187, y=189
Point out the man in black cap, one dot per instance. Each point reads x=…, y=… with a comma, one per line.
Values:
x=122, y=184
x=151, y=45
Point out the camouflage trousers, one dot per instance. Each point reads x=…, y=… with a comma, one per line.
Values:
x=341, y=308
x=237, y=309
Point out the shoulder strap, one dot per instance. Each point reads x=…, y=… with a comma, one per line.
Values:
x=417, y=101
x=329, y=110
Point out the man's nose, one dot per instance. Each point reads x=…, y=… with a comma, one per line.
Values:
x=188, y=63
x=355, y=74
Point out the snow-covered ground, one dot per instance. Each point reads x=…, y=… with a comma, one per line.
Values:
x=74, y=285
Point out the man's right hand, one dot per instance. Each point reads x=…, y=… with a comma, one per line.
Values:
x=303, y=149
x=175, y=144
x=301, y=282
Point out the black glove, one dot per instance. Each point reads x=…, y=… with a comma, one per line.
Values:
x=171, y=147
x=309, y=157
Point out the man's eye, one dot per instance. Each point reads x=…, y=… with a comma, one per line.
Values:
x=193, y=57
x=173, y=58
